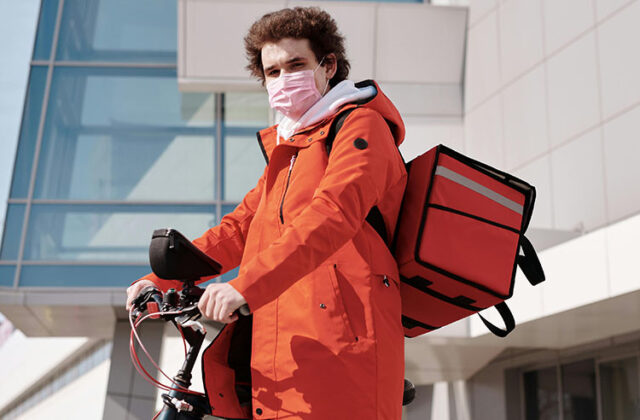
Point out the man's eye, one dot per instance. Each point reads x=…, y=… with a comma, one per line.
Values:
x=274, y=73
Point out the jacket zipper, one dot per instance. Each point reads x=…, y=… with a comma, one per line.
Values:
x=293, y=160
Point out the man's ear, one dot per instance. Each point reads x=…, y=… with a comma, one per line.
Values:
x=332, y=65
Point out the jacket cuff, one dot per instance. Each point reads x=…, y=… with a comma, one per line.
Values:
x=250, y=294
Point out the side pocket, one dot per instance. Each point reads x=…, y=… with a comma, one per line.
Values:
x=340, y=303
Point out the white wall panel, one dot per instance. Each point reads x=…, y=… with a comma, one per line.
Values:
x=573, y=90
x=414, y=99
x=525, y=119
x=526, y=302
x=520, y=36
x=420, y=44
x=538, y=174
x=25, y=362
x=564, y=20
x=576, y=273
x=214, y=36
x=81, y=399
x=605, y=8
x=482, y=66
x=479, y=9
x=623, y=256
x=620, y=60
x=424, y=133
x=483, y=133
x=578, y=185
x=356, y=23
x=621, y=158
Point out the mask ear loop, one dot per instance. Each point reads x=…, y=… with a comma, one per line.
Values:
x=326, y=84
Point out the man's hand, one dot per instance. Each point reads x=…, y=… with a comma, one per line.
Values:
x=219, y=302
x=134, y=290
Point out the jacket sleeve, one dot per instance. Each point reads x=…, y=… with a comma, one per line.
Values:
x=354, y=181
x=224, y=242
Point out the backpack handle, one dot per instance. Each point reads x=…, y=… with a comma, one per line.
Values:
x=507, y=318
x=529, y=262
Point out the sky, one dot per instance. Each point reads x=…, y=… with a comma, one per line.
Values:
x=18, y=20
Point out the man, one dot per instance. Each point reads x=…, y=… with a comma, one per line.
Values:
x=321, y=284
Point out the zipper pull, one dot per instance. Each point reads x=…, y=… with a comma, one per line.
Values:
x=293, y=159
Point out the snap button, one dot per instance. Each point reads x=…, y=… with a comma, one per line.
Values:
x=310, y=138
x=385, y=281
x=322, y=132
x=323, y=306
x=258, y=411
x=291, y=139
x=360, y=144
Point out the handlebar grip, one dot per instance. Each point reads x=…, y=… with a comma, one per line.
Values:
x=244, y=310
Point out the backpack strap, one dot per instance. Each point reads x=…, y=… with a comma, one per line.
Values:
x=507, y=318
x=532, y=269
x=529, y=262
x=374, y=218
x=336, y=125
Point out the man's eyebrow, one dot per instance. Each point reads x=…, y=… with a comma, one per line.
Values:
x=291, y=60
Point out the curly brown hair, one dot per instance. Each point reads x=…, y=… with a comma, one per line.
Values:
x=310, y=23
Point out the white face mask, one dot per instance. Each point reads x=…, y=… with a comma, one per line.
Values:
x=292, y=94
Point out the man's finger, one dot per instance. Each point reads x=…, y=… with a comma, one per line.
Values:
x=222, y=312
x=211, y=306
x=202, y=304
x=132, y=292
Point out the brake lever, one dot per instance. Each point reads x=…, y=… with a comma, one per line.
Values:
x=190, y=313
x=147, y=296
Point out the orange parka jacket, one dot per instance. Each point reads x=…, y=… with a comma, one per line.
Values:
x=327, y=340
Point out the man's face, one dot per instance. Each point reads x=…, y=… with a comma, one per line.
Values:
x=291, y=55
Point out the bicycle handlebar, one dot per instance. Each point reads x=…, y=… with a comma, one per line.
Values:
x=184, y=302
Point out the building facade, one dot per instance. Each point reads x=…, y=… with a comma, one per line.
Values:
x=139, y=115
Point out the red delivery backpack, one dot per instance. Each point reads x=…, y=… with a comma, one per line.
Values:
x=459, y=239
x=458, y=242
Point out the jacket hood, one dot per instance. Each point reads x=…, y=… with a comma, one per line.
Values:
x=383, y=105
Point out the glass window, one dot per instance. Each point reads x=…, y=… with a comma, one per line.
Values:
x=12, y=232
x=246, y=109
x=230, y=275
x=579, y=391
x=7, y=273
x=126, y=135
x=619, y=388
x=46, y=27
x=80, y=275
x=244, y=115
x=142, y=31
x=228, y=208
x=119, y=233
x=28, y=132
x=541, y=394
x=243, y=165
